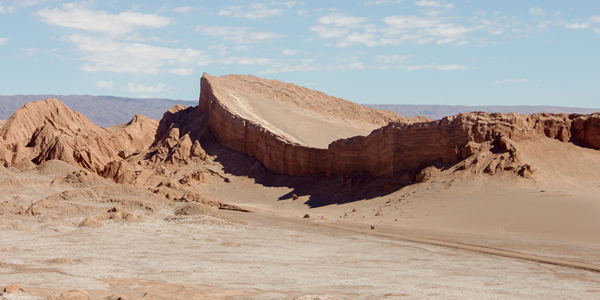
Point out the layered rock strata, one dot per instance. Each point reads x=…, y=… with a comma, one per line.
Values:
x=284, y=126
x=238, y=117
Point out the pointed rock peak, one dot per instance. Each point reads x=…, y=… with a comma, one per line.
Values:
x=25, y=121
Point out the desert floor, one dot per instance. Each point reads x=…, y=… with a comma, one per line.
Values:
x=273, y=257
x=455, y=237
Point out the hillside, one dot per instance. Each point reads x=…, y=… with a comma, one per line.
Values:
x=104, y=111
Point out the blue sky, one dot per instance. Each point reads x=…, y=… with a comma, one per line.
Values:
x=368, y=51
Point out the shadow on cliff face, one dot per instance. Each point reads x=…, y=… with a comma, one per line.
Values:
x=320, y=189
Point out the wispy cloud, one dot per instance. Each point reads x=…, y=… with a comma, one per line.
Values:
x=239, y=60
x=3, y=41
x=341, y=20
x=392, y=58
x=140, y=88
x=302, y=67
x=105, y=54
x=252, y=11
x=537, y=11
x=105, y=84
x=577, y=25
x=380, y=2
x=239, y=35
x=181, y=71
x=510, y=80
x=450, y=67
x=427, y=3
x=290, y=52
x=79, y=16
x=184, y=9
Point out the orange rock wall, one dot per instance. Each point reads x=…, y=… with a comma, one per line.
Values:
x=393, y=149
x=247, y=137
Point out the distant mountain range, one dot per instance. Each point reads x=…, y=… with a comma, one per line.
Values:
x=105, y=111
x=108, y=111
x=437, y=112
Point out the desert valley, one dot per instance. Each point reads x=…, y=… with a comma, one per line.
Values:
x=268, y=190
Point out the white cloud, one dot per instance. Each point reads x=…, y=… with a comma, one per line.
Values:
x=595, y=18
x=105, y=84
x=425, y=30
x=238, y=60
x=32, y=51
x=427, y=3
x=28, y=3
x=577, y=25
x=241, y=48
x=367, y=39
x=410, y=22
x=302, y=12
x=290, y=52
x=596, y=30
x=255, y=11
x=538, y=11
x=183, y=9
x=449, y=6
x=329, y=32
x=105, y=54
x=80, y=17
x=303, y=67
x=133, y=88
x=377, y=2
x=239, y=35
x=356, y=66
x=4, y=41
x=510, y=80
x=341, y=20
x=182, y=71
x=344, y=59
x=450, y=67
x=19, y=3
x=392, y=58
x=290, y=4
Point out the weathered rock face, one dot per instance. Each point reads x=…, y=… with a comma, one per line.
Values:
x=398, y=147
x=239, y=117
x=586, y=130
x=285, y=126
x=47, y=130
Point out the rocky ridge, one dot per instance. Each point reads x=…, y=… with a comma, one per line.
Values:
x=169, y=157
x=46, y=130
x=401, y=148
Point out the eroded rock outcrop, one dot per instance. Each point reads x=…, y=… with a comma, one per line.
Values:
x=49, y=130
x=267, y=119
x=285, y=126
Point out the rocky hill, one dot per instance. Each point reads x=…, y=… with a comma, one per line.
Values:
x=104, y=111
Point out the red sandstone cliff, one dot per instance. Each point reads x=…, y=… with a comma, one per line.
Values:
x=263, y=118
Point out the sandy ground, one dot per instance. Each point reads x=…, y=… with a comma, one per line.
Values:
x=457, y=236
x=270, y=258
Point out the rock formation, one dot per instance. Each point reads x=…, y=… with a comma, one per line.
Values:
x=296, y=131
x=46, y=130
x=291, y=130
x=284, y=126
